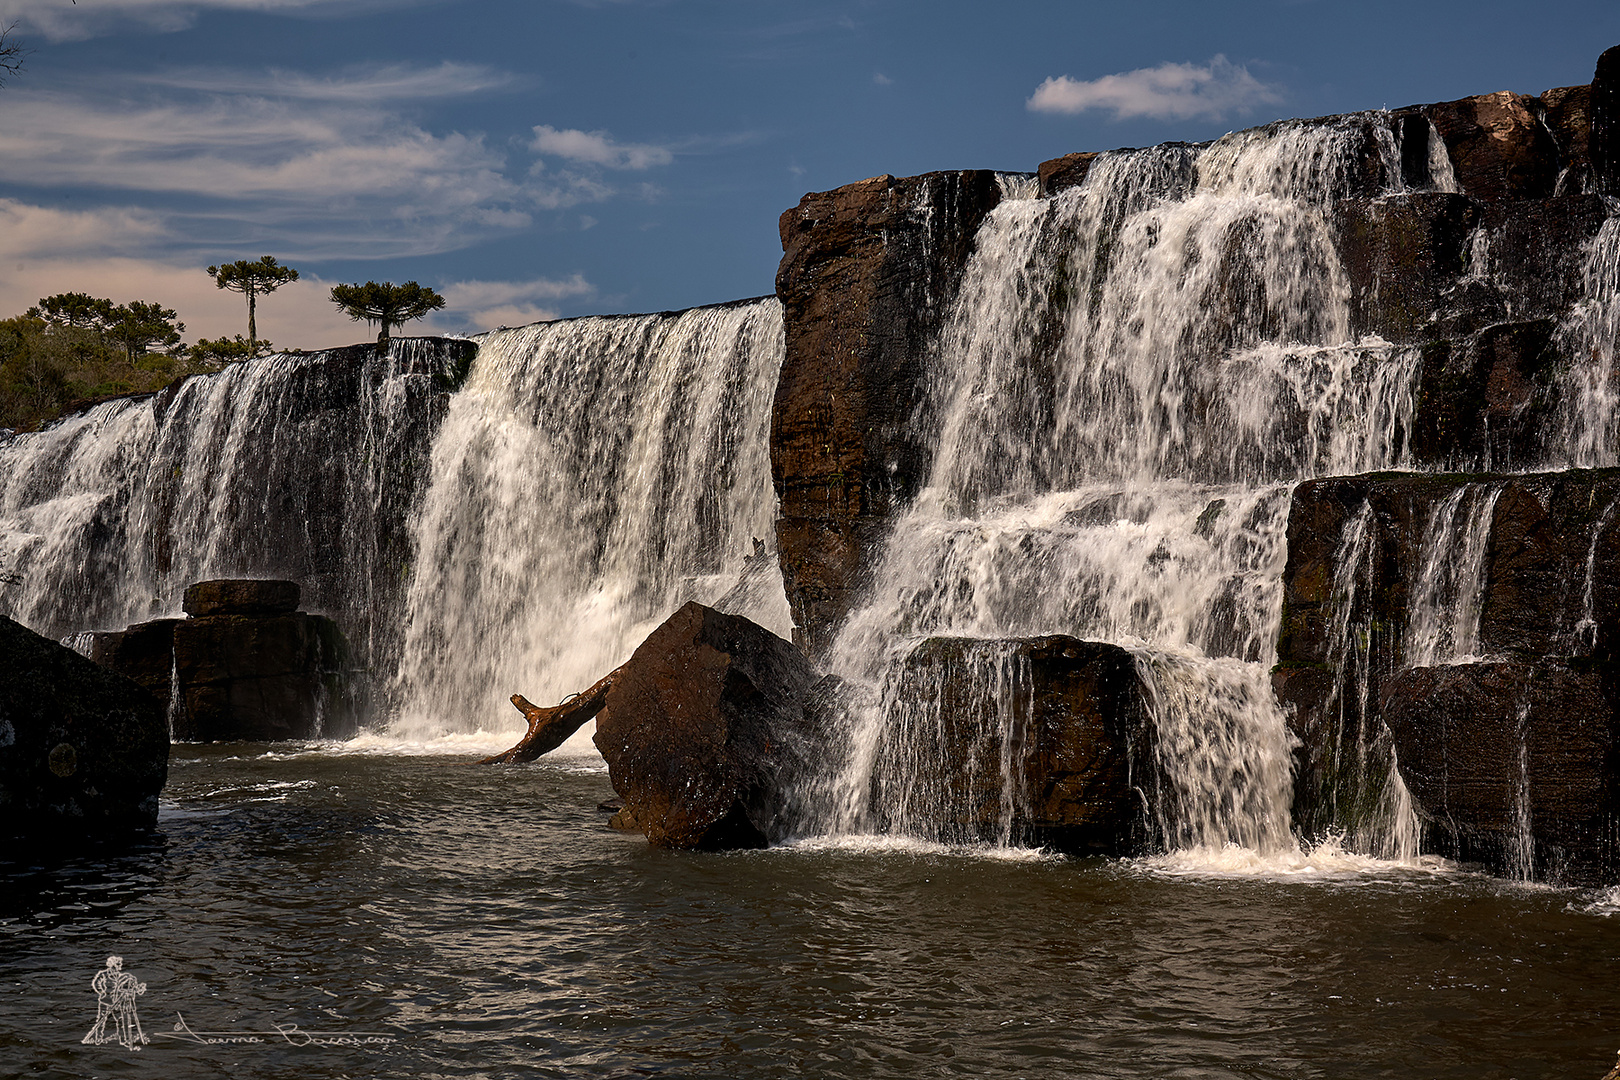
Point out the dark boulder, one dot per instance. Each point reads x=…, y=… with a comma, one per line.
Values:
x=262, y=678
x=704, y=732
x=84, y=751
x=1513, y=765
x=1488, y=400
x=241, y=597
x=144, y=653
x=866, y=277
x=1032, y=740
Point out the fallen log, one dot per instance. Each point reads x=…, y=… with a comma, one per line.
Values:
x=550, y=726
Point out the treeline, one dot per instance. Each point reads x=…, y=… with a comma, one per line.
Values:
x=73, y=348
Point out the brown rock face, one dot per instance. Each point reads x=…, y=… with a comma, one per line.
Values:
x=144, y=652
x=1513, y=765
x=1498, y=145
x=84, y=751
x=703, y=730
x=867, y=273
x=1023, y=740
x=1065, y=172
x=241, y=597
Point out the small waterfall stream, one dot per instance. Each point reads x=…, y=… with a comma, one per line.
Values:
x=1136, y=373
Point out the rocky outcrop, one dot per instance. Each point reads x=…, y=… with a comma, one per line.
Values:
x=1513, y=765
x=1462, y=230
x=84, y=751
x=1392, y=578
x=704, y=732
x=867, y=273
x=247, y=665
x=1038, y=740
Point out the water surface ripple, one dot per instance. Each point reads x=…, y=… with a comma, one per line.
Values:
x=490, y=924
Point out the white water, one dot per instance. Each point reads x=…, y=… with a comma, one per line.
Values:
x=1134, y=376
x=1444, y=606
x=300, y=466
x=592, y=475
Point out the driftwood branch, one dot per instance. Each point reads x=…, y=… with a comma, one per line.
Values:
x=550, y=726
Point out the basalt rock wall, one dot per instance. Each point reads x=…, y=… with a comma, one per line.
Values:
x=1463, y=628
x=1463, y=234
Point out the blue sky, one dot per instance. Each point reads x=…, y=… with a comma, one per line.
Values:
x=562, y=157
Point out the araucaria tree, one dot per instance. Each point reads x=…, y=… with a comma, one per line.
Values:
x=386, y=304
x=253, y=279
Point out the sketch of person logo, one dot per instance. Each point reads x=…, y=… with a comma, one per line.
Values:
x=116, y=990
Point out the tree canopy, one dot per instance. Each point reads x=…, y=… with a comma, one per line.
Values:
x=386, y=303
x=253, y=279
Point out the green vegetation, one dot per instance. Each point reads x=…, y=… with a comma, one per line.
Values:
x=252, y=279
x=48, y=364
x=386, y=304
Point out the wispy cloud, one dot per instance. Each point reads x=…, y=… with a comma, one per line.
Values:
x=321, y=166
x=83, y=19
x=598, y=148
x=1167, y=92
x=372, y=85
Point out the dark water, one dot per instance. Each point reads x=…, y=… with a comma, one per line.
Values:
x=487, y=923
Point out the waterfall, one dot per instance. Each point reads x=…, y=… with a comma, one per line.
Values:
x=1133, y=377
x=1591, y=335
x=1443, y=612
x=591, y=476
x=299, y=465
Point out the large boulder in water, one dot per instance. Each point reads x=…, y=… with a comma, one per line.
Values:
x=1513, y=765
x=1026, y=740
x=246, y=665
x=704, y=731
x=84, y=751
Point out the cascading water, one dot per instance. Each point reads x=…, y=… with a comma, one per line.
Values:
x=592, y=475
x=1135, y=374
x=302, y=466
x=1443, y=616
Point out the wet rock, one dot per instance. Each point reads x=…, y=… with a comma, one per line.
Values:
x=241, y=597
x=1402, y=255
x=1033, y=740
x=84, y=751
x=1499, y=147
x=1548, y=590
x=262, y=678
x=704, y=732
x=1513, y=765
x=1062, y=173
x=867, y=273
x=1488, y=400
x=144, y=653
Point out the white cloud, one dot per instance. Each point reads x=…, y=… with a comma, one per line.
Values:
x=598, y=148
x=28, y=232
x=880, y=79
x=1167, y=92
x=473, y=306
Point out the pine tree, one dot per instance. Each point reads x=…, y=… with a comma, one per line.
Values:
x=252, y=279
x=386, y=303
